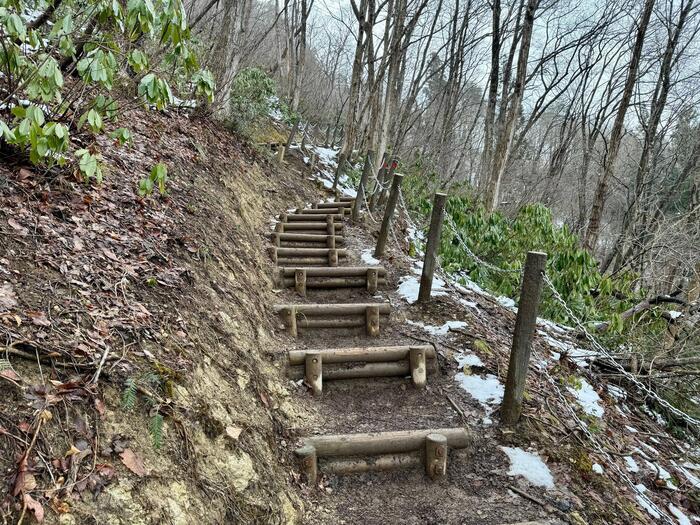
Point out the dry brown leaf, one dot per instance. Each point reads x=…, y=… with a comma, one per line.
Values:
x=8, y=299
x=133, y=462
x=10, y=374
x=35, y=507
x=38, y=318
x=18, y=227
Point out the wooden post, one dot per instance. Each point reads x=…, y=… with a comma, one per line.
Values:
x=372, y=280
x=330, y=241
x=333, y=257
x=435, y=455
x=300, y=281
x=431, y=250
x=308, y=462
x=283, y=217
x=276, y=239
x=280, y=154
x=330, y=225
x=525, y=323
x=388, y=215
x=418, y=366
x=360, y=197
x=292, y=320
x=342, y=159
x=313, y=375
x=372, y=320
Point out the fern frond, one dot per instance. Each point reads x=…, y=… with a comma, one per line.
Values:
x=129, y=394
x=4, y=365
x=155, y=428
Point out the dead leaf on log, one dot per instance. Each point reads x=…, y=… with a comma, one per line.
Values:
x=133, y=462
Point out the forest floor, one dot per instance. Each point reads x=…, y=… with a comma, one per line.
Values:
x=142, y=369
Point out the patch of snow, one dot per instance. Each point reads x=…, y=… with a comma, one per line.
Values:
x=588, y=398
x=487, y=390
x=468, y=360
x=487, y=421
x=597, y=468
x=674, y=314
x=555, y=327
x=530, y=466
x=685, y=470
x=644, y=501
x=409, y=287
x=631, y=464
x=507, y=302
x=368, y=258
x=678, y=514
x=470, y=304
x=662, y=474
x=631, y=429
x=438, y=330
x=617, y=392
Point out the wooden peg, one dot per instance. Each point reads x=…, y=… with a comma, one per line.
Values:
x=300, y=281
x=330, y=225
x=313, y=372
x=418, y=367
x=276, y=239
x=372, y=321
x=435, y=455
x=308, y=463
x=292, y=321
x=333, y=257
x=372, y=280
x=330, y=241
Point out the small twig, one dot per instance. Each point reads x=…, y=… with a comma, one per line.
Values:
x=96, y=376
x=457, y=409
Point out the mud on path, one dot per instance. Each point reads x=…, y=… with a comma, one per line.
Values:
x=475, y=489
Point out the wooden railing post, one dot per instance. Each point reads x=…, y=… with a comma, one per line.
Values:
x=525, y=323
x=280, y=154
x=388, y=215
x=431, y=249
x=342, y=159
x=361, y=188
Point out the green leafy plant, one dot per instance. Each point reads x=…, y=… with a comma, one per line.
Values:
x=252, y=95
x=158, y=177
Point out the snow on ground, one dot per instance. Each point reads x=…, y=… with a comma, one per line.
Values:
x=410, y=285
x=644, y=503
x=662, y=474
x=368, y=258
x=678, y=514
x=685, y=469
x=487, y=390
x=470, y=304
x=468, y=360
x=617, y=392
x=530, y=466
x=631, y=464
x=438, y=330
x=597, y=468
x=588, y=398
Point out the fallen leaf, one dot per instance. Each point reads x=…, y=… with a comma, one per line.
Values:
x=24, y=174
x=10, y=374
x=35, y=507
x=72, y=451
x=233, y=432
x=8, y=299
x=100, y=406
x=17, y=226
x=77, y=243
x=38, y=318
x=133, y=462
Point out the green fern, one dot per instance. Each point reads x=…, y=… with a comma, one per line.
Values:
x=155, y=428
x=4, y=365
x=129, y=394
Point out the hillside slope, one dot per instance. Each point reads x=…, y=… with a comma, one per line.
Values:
x=128, y=323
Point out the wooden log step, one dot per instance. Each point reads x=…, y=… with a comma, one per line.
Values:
x=341, y=271
x=307, y=252
x=333, y=277
x=388, y=450
x=313, y=310
x=306, y=240
x=401, y=368
x=336, y=204
x=339, y=210
x=367, y=354
x=303, y=256
x=305, y=217
x=282, y=227
x=351, y=315
x=374, y=443
x=306, y=261
x=345, y=199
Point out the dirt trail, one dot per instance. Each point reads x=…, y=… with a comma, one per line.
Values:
x=475, y=489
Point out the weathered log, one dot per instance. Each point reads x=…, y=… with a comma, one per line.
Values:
x=345, y=198
x=306, y=217
x=373, y=281
x=384, y=442
x=334, y=309
x=333, y=255
x=342, y=271
x=372, y=464
x=372, y=317
x=362, y=354
x=322, y=211
x=310, y=238
x=360, y=371
x=306, y=252
x=435, y=455
x=282, y=227
x=336, y=204
x=300, y=281
x=291, y=320
x=305, y=261
x=334, y=282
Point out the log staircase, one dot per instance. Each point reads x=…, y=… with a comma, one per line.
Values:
x=305, y=249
